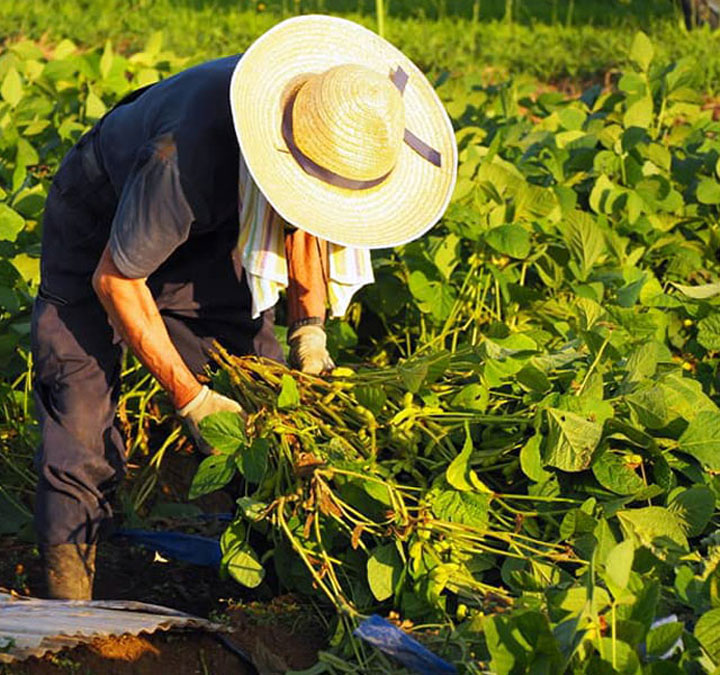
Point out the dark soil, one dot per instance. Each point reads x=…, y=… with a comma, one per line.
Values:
x=278, y=634
x=277, y=637
x=177, y=653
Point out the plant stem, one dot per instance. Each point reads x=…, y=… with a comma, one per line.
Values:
x=380, y=12
x=614, y=636
x=594, y=365
x=570, y=12
x=508, y=18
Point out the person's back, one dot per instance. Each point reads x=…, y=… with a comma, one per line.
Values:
x=175, y=141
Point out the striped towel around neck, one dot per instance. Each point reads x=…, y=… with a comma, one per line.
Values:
x=261, y=245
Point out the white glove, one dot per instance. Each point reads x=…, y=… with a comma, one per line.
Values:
x=206, y=403
x=308, y=351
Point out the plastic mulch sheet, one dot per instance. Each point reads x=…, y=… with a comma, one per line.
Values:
x=33, y=627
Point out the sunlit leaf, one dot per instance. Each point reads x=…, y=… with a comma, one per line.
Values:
x=384, y=567
x=642, y=51
x=572, y=439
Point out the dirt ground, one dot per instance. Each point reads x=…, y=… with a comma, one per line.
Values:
x=277, y=634
x=139, y=655
x=264, y=633
x=272, y=649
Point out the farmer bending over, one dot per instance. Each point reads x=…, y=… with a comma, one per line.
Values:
x=325, y=140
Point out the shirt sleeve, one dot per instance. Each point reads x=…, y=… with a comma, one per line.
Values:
x=153, y=216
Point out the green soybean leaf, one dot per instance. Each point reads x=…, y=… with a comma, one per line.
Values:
x=708, y=191
x=510, y=240
x=576, y=521
x=214, y=473
x=531, y=461
x=371, y=397
x=11, y=223
x=106, y=60
x=289, y=396
x=654, y=526
x=533, y=202
x=642, y=51
x=658, y=404
x=28, y=268
x=12, y=88
x=644, y=359
x=433, y=296
x=584, y=239
x=418, y=371
x=701, y=439
x=613, y=473
x=534, y=379
x=243, y=565
x=625, y=660
x=618, y=563
x=252, y=461
x=572, y=118
x=644, y=610
x=663, y=638
x=466, y=508
x=446, y=255
x=709, y=332
x=572, y=439
x=252, y=509
x=384, y=567
x=473, y=396
x=459, y=474
x=707, y=632
x=64, y=49
x=94, y=107
x=701, y=291
x=589, y=312
x=224, y=431
x=26, y=155
x=695, y=507
x=685, y=397
x=605, y=541
x=508, y=655
x=639, y=114
x=233, y=537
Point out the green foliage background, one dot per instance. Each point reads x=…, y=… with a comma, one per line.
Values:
x=544, y=426
x=437, y=34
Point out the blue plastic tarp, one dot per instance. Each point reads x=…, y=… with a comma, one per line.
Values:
x=394, y=642
x=189, y=548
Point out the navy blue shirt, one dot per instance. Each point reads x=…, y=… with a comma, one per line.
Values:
x=172, y=157
x=165, y=198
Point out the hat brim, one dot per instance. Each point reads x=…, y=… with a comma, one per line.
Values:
x=406, y=204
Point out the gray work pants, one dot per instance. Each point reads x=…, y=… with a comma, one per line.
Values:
x=77, y=356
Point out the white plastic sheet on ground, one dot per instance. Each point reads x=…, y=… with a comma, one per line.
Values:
x=32, y=627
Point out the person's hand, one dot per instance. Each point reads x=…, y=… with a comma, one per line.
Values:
x=207, y=402
x=308, y=350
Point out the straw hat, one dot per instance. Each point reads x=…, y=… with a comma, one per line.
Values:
x=342, y=133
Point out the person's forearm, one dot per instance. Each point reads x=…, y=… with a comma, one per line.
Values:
x=307, y=265
x=132, y=310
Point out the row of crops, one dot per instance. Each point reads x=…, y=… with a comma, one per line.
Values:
x=518, y=458
x=553, y=40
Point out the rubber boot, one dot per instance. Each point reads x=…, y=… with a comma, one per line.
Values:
x=69, y=571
